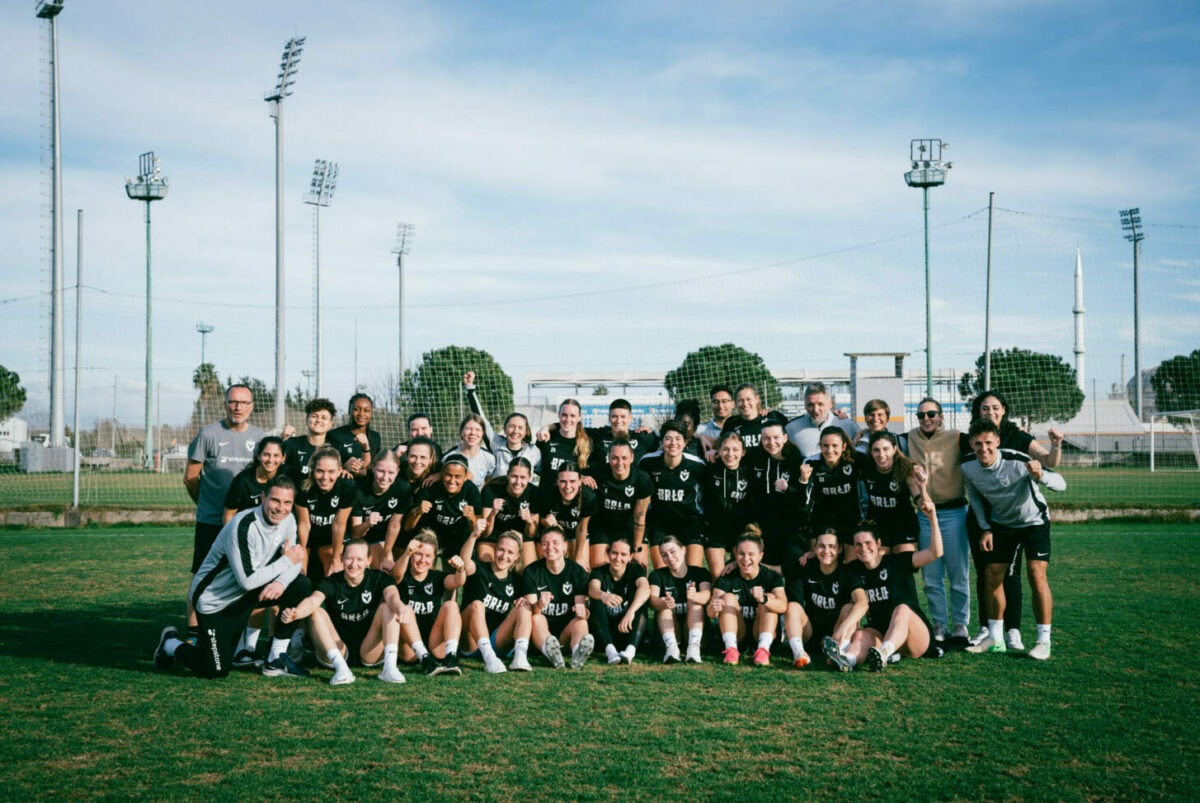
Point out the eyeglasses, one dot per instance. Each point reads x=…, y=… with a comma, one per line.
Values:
x=240, y=403
x=928, y=414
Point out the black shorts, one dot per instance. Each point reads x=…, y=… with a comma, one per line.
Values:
x=603, y=536
x=1007, y=540
x=689, y=533
x=556, y=624
x=352, y=634
x=202, y=541
x=893, y=539
x=794, y=589
x=722, y=537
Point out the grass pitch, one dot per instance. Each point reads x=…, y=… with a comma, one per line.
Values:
x=1114, y=714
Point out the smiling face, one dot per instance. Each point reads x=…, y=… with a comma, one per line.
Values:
x=270, y=459
x=516, y=428
x=361, y=412
x=518, y=481
x=553, y=546
x=422, y=560
x=827, y=550
x=618, y=419
x=817, y=406
x=673, y=555
x=992, y=410
x=747, y=403
x=884, y=454
x=832, y=448
x=569, y=416
x=773, y=439
x=420, y=427
x=355, y=558
x=986, y=447
x=620, y=460
x=472, y=434
x=505, y=556
x=672, y=444
x=419, y=458
x=876, y=420
x=325, y=473
x=748, y=557
x=866, y=547
x=929, y=423
x=568, y=485
x=277, y=504
x=722, y=405
x=319, y=422
x=453, y=477
x=618, y=557
x=731, y=451
x=384, y=473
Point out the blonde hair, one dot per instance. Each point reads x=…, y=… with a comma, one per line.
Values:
x=513, y=535
x=583, y=443
x=317, y=457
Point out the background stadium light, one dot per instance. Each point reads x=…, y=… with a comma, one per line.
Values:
x=283, y=88
x=149, y=186
x=320, y=193
x=205, y=329
x=1131, y=223
x=49, y=10
x=928, y=171
x=404, y=237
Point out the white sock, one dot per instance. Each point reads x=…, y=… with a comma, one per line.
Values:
x=419, y=648
x=845, y=646
x=389, y=655
x=278, y=647
x=629, y=652
x=887, y=648
x=996, y=629
x=520, y=648
x=170, y=645
x=851, y=659
x=730, y=640
x=610, y=652
x=451, y=645
x=669, y=639
x=485, y=649
x=764, y=640
x=694, y=635
x=334, y=657
x=250, y=638
x=797, y=645
x=1043, y=634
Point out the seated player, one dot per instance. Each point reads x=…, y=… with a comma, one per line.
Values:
x=816, y=592
x=619, y=593
x=430, y=623
x=353, y=616
x=490, y=599
x=678, y=594
x=556, y=613
x=750, y=599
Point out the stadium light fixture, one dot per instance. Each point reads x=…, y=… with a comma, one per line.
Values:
x=928, y=171
x=1131, y=224
x=149, y=186
x=320, y=193
x=283, y=88
x=205, y=329
x=404, y=238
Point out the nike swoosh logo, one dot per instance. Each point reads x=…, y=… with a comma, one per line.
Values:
x=224, y=443
x=1042, y=554
x=543, y=588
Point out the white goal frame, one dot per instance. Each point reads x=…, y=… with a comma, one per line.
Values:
x=1193, y=417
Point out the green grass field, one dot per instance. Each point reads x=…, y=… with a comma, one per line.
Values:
x=1114, y=714
x=1086, y=488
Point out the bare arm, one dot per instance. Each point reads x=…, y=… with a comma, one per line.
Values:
x=191, y=479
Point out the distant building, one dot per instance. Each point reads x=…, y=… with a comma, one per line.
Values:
x=13, y=432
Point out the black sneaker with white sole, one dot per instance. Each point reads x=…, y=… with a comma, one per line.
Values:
x=284, y=667
x=431, y=666
x=450, y=664
x=161, y=659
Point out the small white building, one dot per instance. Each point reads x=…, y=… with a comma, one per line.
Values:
x=13, y=432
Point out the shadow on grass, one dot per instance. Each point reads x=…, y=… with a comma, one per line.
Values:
x=110, y=636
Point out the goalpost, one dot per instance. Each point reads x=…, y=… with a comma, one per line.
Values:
x=1172, y=434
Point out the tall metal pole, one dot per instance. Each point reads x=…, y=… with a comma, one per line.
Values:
x=49, y=10
x=987, y=305
x=928, y=170
x=204, y=329
x=78, y=349
x=150, y=186
x=928, y=316
x=404, y=236
x=320, y=194
x=1131, y=222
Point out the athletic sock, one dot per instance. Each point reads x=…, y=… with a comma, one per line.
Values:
x=764, y=640
x=629, y=652
x=451, y=645
x=520, y=648
x=170, y=645
x=418, y=647
x=695, y=635
x=851, y=659
x=250, y=638
x=485, y=649
x=730, y=640
x=1043, y=634
x=278, y=647
x=996, y=630
x=797, y=646
x=844, y=646
x=610, y=652
x=887, y=648
x=669, y=640
x=389, y=656
x=335, y=659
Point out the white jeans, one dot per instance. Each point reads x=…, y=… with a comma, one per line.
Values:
x=954, y=565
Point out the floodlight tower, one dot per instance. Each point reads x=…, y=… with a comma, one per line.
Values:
x=205, y=329
x=283, y=88
x=404, y=238
x=928, y=171
x=149, y=186
x=1131, y=224
x=320, y=193
x=49, y=10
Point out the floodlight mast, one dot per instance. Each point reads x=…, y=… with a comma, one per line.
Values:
x=49, y=10
x=928, y=171
x=404, y=238
x=324, y=182
x=149, y=186
x=205, y=329
x=283, y=88
x=1131, y=224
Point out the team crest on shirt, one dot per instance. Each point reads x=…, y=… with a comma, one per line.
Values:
x=835, y=588
x=1003, y=480
x=429, y=588
x=883, y=574
x=893, y=486
x=508, y=589
x=629, y=490
x=575, y=511
x=741, y=485
x=462, y=504
x=683, y=475
x=567, y=588
x=334, y=501
x=366, y=597
x=250, y=444
x=393, y=502
x=786, y=476
x=524, y=506
x=846, y=469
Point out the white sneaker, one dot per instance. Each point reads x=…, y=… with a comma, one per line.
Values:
x=628, y=655
x=939, y=632
x=980, y=636
x=671, y=654
x=1013, y=639
x=1040, y=651
x=582, y=650
x=341, y=678
x=494, y=666
x=520, y=663
x=982, y=645
x=610, y=652
x=391, y=674
x=693, y=654
x=553, y=651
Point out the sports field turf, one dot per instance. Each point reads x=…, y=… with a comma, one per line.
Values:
x=1114, y=714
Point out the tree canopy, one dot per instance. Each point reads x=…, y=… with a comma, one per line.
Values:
x=12, y=395
x=1176, y=383
x=1038, y=387
x=435, y=387
x=726, y=364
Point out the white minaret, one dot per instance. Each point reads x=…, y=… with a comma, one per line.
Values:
x=1079, y=349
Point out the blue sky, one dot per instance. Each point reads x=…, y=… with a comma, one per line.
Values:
x=657, y=175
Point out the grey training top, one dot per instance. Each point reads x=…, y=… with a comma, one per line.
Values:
x=1005, y=492
x=806, y=433
x=247, y=554
x=224, y=453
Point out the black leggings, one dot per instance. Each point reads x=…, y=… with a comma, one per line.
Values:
x=604, y=627
x=1012, y=580
x=219, y=632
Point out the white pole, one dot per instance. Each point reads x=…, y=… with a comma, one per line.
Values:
x=78, y=342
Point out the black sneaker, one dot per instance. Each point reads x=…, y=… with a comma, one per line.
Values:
x=284, y=667
x=450, y=664
x=875, y=659
x=834, y=653
x=161, y=659
x=431, y=666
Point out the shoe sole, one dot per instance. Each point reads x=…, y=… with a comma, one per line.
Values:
x=397, y=680
x=582, y=652
x=161, y=659
x=554, y=653
x=334, y=681
x=1038, y=656
x=875, y=660
x=834, y=653
x=524, y=668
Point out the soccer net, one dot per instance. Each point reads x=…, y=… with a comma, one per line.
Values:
x=1174, y=445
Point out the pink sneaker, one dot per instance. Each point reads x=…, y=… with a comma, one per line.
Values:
x=762, y=656
x=730, y=655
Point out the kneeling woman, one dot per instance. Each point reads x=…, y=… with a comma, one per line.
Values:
x=882, y=590
x=752, y=596
x=619, y=593
x=490, y=598
x=353, y=616
x=430, y=623
x=678, y=594
x=816, y=594
x=555, y=590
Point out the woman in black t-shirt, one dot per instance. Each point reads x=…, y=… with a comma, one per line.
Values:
x=508, y=504
x=248, y=486
x=378, y=516
x=491, y=598
x=831, y=489
x=323, y=508
x=619, y=593
x=750, y=599
x=891, y=484
x=816, y=593
x=430, y=621
x=678, y=594
x=555, y=613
